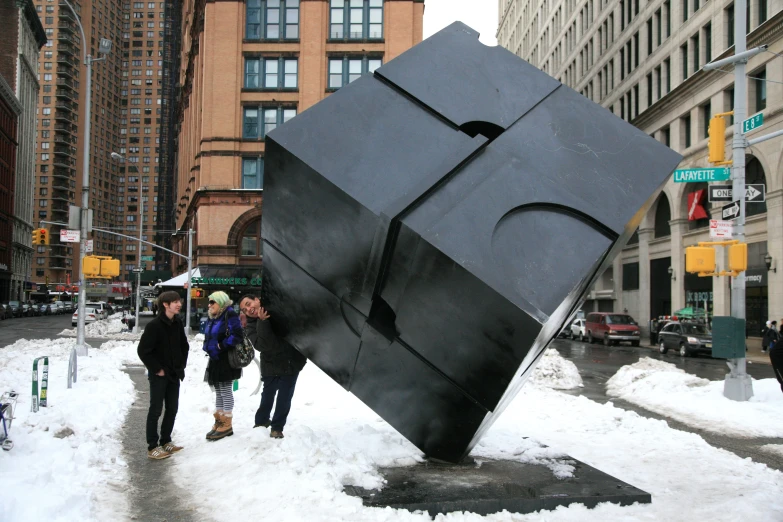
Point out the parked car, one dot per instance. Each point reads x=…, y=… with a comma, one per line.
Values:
x=685, y=337
x=100, y=308
x=69, y=307
x=578, y=330
x=45, y=309
x=16, y=308
x=90, y=315
x=60, y=307
x=612, y=328
x=4, y=312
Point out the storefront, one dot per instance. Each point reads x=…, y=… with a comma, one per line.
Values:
x=698, y=292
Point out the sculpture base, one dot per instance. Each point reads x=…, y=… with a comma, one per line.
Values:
x=489, y=486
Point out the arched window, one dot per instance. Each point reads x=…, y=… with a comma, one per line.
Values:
x=250, y=246
x=663, y=215
x=754, y=174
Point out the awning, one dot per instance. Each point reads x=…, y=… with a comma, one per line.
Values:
x=181, y=279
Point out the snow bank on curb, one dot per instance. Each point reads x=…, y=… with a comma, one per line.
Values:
x=111, y=328
x=66, y=462
x=663, y=388
x=553, y=371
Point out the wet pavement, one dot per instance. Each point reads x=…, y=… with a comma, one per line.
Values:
x=598, y=363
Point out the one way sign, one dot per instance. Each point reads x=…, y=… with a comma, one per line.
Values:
x=755, y=193
x=731, y=211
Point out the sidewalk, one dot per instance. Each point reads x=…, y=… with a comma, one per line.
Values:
x=754, y=354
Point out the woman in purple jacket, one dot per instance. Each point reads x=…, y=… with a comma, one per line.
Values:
x=223, y=331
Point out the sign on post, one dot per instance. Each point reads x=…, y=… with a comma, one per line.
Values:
x=701, y=175
x=755, y=193
x=148, y=258
x=39, y=398
x=89, y=245
x=754, y=122
x=731, y=211
x=720, y=229
x=70, y=236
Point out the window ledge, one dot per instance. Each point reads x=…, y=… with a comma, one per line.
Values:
x=271, y=40
x=355, y=40
x=279, y=89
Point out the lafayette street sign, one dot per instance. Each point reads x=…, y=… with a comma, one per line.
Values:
x=701, y=175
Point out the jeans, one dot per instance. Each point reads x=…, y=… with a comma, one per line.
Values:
x=283, y=386
x=162, y=390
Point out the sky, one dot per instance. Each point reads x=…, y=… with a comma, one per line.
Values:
x=481, y=15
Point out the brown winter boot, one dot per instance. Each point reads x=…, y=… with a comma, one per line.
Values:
x=216, y=425
x=225, y=429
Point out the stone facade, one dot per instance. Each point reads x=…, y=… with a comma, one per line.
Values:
x=642, y=60
x=238, y=70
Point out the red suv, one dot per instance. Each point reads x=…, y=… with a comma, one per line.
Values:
x=612, y=328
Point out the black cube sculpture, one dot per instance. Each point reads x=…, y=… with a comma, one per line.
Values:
x=429, y=229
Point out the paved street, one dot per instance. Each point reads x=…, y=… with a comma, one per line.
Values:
x=43, y=327
x=598, y=363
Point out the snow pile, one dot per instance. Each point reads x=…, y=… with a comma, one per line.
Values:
x=553, y=371
x=111, y=328
x=66, y=462
x=665, y=389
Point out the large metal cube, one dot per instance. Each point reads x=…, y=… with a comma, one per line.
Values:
x=430, y=228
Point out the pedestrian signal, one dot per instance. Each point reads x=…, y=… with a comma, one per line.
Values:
x=197, y=293
x=110, y=267
x=738, y=257
x=699, y=260
x=91, y=266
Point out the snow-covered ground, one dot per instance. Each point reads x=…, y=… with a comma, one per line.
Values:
x=333, y=440
x=663, y=388
x=66, y=462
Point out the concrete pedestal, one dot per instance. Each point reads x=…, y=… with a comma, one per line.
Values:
x=489, y=486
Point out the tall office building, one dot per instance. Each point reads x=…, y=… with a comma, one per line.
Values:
x=125, y=119
x=642, y=59
x=246, y=67
x=23, y=37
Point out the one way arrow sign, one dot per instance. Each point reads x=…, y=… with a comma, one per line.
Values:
x=731, y=211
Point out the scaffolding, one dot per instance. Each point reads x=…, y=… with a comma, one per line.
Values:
x=169, y=131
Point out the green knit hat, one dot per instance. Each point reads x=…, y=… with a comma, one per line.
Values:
x=222, y=299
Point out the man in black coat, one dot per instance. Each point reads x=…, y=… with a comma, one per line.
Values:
x=163, y=349
x=280, y=366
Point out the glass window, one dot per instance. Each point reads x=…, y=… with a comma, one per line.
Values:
x=270, y=73
x=291, y=72
x=343, y=71
x=272, y=117
x=252, y=173
x=356, y=19
x=278, y=73
x=272, y=19
x=251, y=240
x=251, y=122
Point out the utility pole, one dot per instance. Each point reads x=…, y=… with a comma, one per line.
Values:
x=119, y=157
x=104, y=48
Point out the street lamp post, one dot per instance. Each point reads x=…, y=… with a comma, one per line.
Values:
x=120, y=158
x=104, y=48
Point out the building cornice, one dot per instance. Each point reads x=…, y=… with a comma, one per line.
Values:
x=28, y=8
x=7, y=93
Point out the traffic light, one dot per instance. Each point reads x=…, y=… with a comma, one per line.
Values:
x=717, y=139
x=91, y=266
x=699, y=260
x=196, y=293
x=43, y=234
x=738, y=257
x=110, y=267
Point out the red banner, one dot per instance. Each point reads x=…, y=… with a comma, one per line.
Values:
x=696, y=202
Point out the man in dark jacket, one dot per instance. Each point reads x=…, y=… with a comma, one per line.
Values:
x=280, y=366
x=163, y=349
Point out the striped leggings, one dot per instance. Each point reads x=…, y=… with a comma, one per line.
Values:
x=224, y=396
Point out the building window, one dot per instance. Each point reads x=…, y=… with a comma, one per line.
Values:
x=686, y=131
x=251, y=240
x=356, y=19
x=343, y=71
x=631, y=275
x=684, y=61
x=762, y=4
x=259, y=121
x=271, y=73
x=272, y=20
x=252, y=173
x=707, y=43
x=706, y=113
x=729, y=25
x=760, y=84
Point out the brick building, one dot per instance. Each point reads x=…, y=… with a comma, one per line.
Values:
x=246, y=67
x=23, y=37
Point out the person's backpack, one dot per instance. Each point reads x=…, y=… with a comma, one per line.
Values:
x=242, y=354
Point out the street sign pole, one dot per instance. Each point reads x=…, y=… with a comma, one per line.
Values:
x=738, y=385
